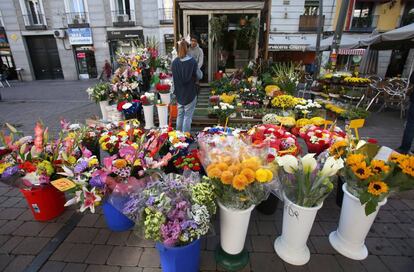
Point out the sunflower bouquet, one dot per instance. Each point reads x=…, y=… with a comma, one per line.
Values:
x=239, y=171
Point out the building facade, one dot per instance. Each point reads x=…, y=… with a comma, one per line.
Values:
x=71, y=39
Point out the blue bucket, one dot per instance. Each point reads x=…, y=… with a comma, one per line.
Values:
x=115, y=220
x=180, y=259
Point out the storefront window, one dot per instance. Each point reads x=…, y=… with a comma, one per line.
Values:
x=362, y=17
x=85, y=59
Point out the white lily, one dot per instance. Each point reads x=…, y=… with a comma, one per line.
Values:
x=360, y=144
x=332, y=166
x=309, y=163
x=289, y=163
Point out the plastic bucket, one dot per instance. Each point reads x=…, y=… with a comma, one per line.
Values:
x=115, y=220
x=45, y=202
x=180, y=259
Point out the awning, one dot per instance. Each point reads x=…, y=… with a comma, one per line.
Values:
x=347, y=51
x=221, y=5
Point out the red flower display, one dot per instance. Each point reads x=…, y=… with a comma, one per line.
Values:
x=27, y=166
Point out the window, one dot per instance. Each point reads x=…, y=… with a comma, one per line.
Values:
x=362, y=17
x=408, y=15
x=76, y=11
x=32, y=11
x=311, y=7
x=123, y=11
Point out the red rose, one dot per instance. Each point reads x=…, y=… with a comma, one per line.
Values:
x=28, y=167
x=196, y=168
x=120, y=104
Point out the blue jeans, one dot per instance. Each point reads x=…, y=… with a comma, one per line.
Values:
x=408, y=131
x=185, y=116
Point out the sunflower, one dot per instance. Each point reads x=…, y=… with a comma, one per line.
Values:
x=397, y=157
x=353, y=159
x=337, y=149
x=377, y=188
x=407, y=165
x=361, y=170
x=379, y=166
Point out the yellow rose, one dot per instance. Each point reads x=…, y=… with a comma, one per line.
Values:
x=72, y=160
x=264, y=175
x=93, y=162
x=122, y=133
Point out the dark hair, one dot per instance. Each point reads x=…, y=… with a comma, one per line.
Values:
x=193, y=36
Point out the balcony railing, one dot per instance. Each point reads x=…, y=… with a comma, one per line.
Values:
x=165, y=16
x=364, y=24
x=123, y=17
x=309, y=22
x=34, y=21
x=77, y=18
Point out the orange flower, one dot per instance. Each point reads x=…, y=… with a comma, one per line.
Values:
x=379, y=166
x=353, y=159
x=240, y=182
x=211, y=166
x=120, y=163
x=222, y=166
x=227, y=177
x=361, y=170
x=407, y=165
x=214, y=173
x=249, y=174
x=377, y=188
x=251, y=163
x=235, y=168
x=337, y=149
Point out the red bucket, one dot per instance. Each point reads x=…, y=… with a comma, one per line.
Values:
x=46, y=202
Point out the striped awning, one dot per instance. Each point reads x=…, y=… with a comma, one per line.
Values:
x=346, y=51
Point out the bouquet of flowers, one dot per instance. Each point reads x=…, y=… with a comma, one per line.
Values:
x=306, y=108
x=163, y=88
x=227, y=98
x=148, y=99
x=100, y=92
x=285, y=101
x=318, y=139
x=307, y=181
x=130, y=109
x=223, y=110
x=188, y=162
x=239, y=171
x=177, y=210
x=112, y=141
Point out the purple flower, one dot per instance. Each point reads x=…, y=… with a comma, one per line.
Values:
x=97, y=181
x=171, y=232
x=150, y=201
x=81, y=166
x=189, y=224
x=10, y=171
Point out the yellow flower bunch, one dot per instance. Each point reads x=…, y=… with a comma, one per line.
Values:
x=227, y=98
x=328, y=76
x=303, y=122
x=404, y=162
x=317, y=121
x=272, y=90
x=285, y=101
x=3, y=167
x=239, y=174
x=358, y=80
x=334, y=108
x=286, y=121
x=337, y=149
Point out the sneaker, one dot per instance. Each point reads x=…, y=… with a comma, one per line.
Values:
x=399, y=150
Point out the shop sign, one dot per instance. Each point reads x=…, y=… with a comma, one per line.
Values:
x=125, y=34
x=4, y=43
x=169, y=38
x=287, y=47
x=80, y=36
x=81, y=55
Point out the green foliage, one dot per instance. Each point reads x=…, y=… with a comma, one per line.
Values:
x=355, y=113
x=217, y=27
x=286, y=76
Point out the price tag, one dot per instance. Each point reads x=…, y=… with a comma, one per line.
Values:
x=63, y=184
x=355, y=124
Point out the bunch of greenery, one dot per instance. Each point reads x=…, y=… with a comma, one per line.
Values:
x=286, y=76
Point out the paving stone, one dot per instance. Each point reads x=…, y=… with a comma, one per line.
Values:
x=4, y=190
x=150, y=258
x=62, y=251
x=21, y=204
x=19, y=263
x=118, y=238
x=53, y=266
x=386, y=217
x=328, y=227
x=29, y=229
x=295, y=268
x=10, y=226
x=397, y=204
x=265, y=217
x=387, y=230
x=134, y=240
x=65, y=216
x=26, y=216
x=404, y=216
x=408, y=229
x=99, y=254
x=403, y=246
x=380, y=246
x=130, y=269
x=82, y=235
x=266, y=228
x=31, y=245
x=317, y=230
x=248, y=244
x=252, y=230
x=151, y=270
x=100, y=223
x=11, y=244
x=125, y=256
x=51, y=229
x=207, y=261
x=373, y=263
x=78, y=253
x=5, y=259
x=319, y=262
x=75, y=267
x=349, y=265
x=212, y=242
x=102, y=237
x=330, y=215
x=262, y=243
x=4, y=239
x=265, y=262
x=88, y=220
x=102, y=268
x=409, y=203
x=398, y=263
x=11, y=213
x=13, y=192
x=322, y=245
x=10, y=202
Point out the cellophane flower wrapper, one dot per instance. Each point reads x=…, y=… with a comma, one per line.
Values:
x=239, y=170
x=176, y=209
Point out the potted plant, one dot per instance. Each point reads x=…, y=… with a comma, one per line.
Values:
x=162, y=110
x=164, y=91
x=242, y=180
x=223, y=111
x=307, y=183
x=147, y=101
x=100, y=94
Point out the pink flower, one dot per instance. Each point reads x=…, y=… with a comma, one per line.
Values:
x=38, y=141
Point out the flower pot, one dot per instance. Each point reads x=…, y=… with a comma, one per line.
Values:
x=115, y=220
x=339, y=191
x=113, y=114
x=45, y=202
x=165, y=98
x=180, y=259
x=103, y=105
x=315, y=148
x=149, y=116
x=297, y=224
x=269, y=205
x=162, y=115
x=354, y=225
x=173, y=111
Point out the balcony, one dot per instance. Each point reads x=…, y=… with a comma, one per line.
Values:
x=123, y=17
x=165, y=16
x=309, y=23
x=34, y=21
x=77, y=19
x=364, y=24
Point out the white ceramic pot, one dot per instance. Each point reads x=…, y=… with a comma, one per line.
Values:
x=297, y=224
x=103, y=105
x=113, y=115
x=165, y=98
x=149, y=116
x=162, y=115
x=354, y=225
x=233, y=228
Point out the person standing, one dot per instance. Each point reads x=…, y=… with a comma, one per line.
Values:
x=107, y=70
x=186, y=72
x=408, y=135
x=196, y=52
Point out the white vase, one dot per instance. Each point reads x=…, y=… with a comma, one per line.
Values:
x=297, y=224
x=354, y=225
x=103, y=105
x=165, y=98
x=162, y=115
x=149, y=116
x=233, y=228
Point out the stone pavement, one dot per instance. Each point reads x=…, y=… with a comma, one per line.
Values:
x=87, y=244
